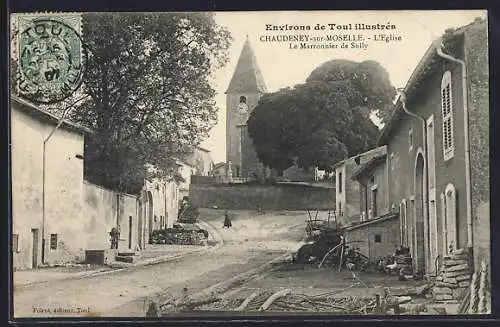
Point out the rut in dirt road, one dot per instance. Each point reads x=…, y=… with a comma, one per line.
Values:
x=126, y=293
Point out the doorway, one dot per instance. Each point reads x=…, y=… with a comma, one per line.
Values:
x=433, y=221
x=139, y=225
x=419, y=214
x=130, y=232
x=150, y=216
x=34, y=261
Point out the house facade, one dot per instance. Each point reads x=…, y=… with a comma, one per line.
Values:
x=376, y=232
x=347, y=191
x=186, y=170
x=438, y=151
x=57, y=215
x=47, y=187
x=373, y=188
x=201, y=160
x=158, y=205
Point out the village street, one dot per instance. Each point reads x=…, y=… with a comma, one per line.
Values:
x=247, y=245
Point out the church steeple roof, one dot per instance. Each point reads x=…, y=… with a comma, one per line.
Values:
x=247, y=76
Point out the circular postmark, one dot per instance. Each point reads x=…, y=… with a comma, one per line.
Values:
x=50, y=66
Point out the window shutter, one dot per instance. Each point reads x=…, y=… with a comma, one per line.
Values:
x=447, y=115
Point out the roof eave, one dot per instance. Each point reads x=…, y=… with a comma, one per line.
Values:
x=66, y=123
x=416, y=75
x=391, y=215
x=373, y=163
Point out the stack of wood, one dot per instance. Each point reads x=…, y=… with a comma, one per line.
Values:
x=404, y=262
x=286, y=301
x=454, y=278
x=477, y=299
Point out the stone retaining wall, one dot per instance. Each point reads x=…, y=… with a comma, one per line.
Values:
x=454, y=277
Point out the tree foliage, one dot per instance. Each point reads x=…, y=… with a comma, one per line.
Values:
x=370, y=87
x=323, y=120
x=146, y=91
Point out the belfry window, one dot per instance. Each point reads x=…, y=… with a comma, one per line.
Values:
x=243, y=99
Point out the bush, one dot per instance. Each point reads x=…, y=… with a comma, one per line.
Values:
x=189, y=214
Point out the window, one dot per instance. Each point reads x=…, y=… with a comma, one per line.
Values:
x=15, y=243
x=340, y=209
x=340, y=182
x=410, y=139
x=392, y=161
x=378, y=238
x=156, y=218
x=53, y=241
x=447, y=115
x=452, y=241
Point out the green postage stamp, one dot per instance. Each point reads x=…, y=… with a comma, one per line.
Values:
x=50, y=57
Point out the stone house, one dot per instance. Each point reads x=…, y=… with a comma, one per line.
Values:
x=373, y=187
x=57, y=215
x=347, y=191
x=438, y=151
x=47, y=186
x=202, y=161
x=377, y=231
x=158, y=206
x=186, y=170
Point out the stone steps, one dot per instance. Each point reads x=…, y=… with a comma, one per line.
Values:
x=454, y=279
x=126, y=258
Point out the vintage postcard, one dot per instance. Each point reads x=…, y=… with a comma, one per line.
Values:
x=173, y=164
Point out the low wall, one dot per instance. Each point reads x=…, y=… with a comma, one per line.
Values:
x=104, y=209
x=268, y=197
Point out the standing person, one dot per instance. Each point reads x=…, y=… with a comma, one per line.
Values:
x=115, y=235
x=227, y=220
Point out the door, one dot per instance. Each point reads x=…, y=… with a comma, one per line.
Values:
x=150, y=215
x=139, y=226
x=34, y=263
x=420, y=224
x=433, y=225
x=130, y=232
x=433, y=235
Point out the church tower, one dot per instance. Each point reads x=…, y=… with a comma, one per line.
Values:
x=242, y=95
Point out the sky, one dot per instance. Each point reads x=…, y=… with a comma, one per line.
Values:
x=282, y=66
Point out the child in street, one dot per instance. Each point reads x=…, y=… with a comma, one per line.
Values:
x=227, y=220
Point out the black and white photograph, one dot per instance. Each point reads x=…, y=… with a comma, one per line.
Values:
x=257, y=163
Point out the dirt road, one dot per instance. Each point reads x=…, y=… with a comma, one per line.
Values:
x=253, y=240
